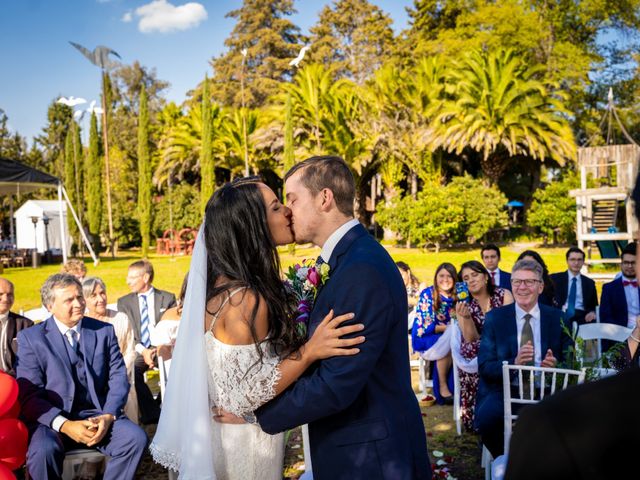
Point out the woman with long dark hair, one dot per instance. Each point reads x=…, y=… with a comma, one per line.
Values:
x=484, y=296
x=433, y=316
x=241, y=341
x=547, y=297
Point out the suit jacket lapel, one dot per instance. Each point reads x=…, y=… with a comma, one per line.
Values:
x=135, y=309
x=157, y=304
x=511, y=327
x=54, y=337
x=10, y=333
x=544, y=333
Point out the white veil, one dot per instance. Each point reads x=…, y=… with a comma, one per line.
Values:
x=183, y=440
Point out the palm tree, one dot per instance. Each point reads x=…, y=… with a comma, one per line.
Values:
x=499, y=108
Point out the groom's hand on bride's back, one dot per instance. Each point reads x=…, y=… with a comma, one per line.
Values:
x=222, y=416
x=327, y=340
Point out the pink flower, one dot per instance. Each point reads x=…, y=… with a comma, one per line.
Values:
x=313, y=277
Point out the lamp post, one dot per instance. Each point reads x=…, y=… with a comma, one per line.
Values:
x=47, y=253
x=34, y=253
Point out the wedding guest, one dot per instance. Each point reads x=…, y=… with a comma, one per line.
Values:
x=471, y=317
x=490, y=254
x=433, y=316
x=166, y=331
x=144, y=307
x=10, y=324
x=72, y=387
x=620, y=302
x=547, y=297
x=95, y=295
x=411, y=282
x=575, y=293
x=522, y=333
x=75, y=267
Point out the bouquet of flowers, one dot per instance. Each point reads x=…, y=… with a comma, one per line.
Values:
x=303, y=280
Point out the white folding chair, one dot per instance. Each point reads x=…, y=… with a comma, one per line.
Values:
x=83, y=463
x=163, y=371
x=599, y=332
x=456, y=396
x=542, y=382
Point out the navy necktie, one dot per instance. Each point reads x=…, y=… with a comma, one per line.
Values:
x=571, y=301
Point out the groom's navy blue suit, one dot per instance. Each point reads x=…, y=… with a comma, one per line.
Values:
x=363, y=416
x=54, y=380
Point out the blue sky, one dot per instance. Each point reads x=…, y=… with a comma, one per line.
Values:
x=176, y=37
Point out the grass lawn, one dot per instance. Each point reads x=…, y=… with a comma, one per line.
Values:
x=170, y=271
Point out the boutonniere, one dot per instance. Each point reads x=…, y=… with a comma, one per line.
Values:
x=303, y=280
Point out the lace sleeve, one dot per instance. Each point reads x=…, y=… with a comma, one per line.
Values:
x=241, y=385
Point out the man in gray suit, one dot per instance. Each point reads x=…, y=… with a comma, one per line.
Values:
x=144, y=306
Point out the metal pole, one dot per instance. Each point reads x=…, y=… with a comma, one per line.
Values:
x=63, y=224
x=244, y=120
x=82, y=232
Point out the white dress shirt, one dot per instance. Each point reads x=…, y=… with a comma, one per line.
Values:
x=57, y=422
x=535, y=326
x=335, y=237
x=4, y=321
x=151, y=311
x=633, y=302
x=579, y=301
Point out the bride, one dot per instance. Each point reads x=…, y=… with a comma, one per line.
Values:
x=237, y=347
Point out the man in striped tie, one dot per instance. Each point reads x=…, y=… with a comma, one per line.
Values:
x=144, y=306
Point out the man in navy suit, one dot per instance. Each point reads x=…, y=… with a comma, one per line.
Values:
x=575, y=292
x=72, y=387
x=523, y=333
x=363, y=416
x=490, y=254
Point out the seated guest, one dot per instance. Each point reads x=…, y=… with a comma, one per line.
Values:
x=72, y=387
x=485, y=296
x=433, y=316
x=144, y=307
x=524, y=333
x=75, y=267
x=490, y=254
x=10, y=324
x=95, y=296
x=620, y=302
x=547, y=297
x=575, y=293
x=166, y=331
x=411, y=283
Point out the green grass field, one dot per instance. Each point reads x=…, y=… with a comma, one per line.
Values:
x=170, y=271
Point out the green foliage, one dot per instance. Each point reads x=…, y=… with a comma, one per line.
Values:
x=52, y=140
x=207, y=174
x=464, y=210
x=69, y=181
x=271, y=40
x=144, y=174
x=289, y=158
x=178, y=208
x=554, y=211
x=94, y=182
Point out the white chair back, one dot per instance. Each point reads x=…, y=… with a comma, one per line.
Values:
x=599, y=332
x=541, y=381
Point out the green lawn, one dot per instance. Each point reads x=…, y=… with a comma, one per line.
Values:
x=169, y=271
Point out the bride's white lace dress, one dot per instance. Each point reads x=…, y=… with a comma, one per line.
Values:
x=239, y=382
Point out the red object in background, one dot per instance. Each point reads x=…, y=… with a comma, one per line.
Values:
x=8, y=393
x=13, y=412
x=14, y=439
x=6, y=474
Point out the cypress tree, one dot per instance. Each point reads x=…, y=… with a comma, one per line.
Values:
x=144, y=174
x=207, y=170
x=70, y=180
x=289, y=158
x=94, y=183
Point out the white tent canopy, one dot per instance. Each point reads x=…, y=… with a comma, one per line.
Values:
x=42, y=237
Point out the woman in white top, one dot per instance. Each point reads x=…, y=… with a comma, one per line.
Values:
x=238, y=338
x=95, y=295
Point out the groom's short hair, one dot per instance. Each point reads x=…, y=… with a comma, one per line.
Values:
x=330, y=172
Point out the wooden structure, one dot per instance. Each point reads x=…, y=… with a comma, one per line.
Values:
x=597, y=214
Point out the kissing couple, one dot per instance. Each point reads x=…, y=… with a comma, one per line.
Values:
x=243, y=372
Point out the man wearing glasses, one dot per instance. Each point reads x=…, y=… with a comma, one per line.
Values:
x=620, y=303
x=523, y=333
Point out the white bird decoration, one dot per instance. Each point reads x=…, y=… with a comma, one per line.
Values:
x=71, y=101
x=244, y=52
x=93, y=109
x=296, y=61
x=78, y=114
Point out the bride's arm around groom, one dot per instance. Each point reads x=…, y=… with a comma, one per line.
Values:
x=363, y=416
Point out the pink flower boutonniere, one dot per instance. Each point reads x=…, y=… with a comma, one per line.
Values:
x=303, y=280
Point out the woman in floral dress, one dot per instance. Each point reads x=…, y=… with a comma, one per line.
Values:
x=483, y=297
x=433, y=316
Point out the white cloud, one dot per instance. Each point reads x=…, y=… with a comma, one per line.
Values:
x=161, y=16
x=127, y=17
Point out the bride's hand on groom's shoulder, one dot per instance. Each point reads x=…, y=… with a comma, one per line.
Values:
x=327, y=340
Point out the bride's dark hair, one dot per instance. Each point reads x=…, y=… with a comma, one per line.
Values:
x=240, y=248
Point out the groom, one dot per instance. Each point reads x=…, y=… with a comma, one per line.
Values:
x=363, y=416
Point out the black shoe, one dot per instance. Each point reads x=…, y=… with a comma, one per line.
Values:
x=448, y=400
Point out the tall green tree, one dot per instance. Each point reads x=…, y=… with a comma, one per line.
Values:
x=94, y=189
x=144, y=174
x=69, y=178
x=207, y=167
x=354, y=37
x=52, y=139
x=271, y=40
x=499, y=109
x=289, y=148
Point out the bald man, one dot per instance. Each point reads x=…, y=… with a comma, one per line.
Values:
x=10, y=324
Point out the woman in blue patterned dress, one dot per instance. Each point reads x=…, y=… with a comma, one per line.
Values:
x=433, y=316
